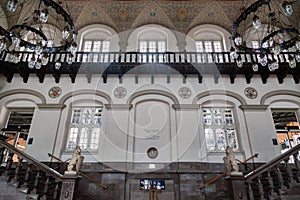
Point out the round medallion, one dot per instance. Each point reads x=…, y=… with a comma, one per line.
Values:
x=184, y=92
x=123, y=13
x=54, y=92
x=250, y=92
x=120, y=92
x=152, y=152
x=182, y=13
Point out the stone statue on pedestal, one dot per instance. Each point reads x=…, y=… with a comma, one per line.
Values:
x=76, y=162
x=230, y=162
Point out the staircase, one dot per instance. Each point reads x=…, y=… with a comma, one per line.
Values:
x=33, y=178
x=277, y=179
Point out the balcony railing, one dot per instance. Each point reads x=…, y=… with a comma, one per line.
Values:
x=144, y=57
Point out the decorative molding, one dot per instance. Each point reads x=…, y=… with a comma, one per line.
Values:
x=186, y=106
x=185, y=92
x=120, y=92
x=82, y=92
x=54, y=92
x=118, y=106
x=157, y=92
x=51, y=106
x=220, y=92
x=250, y=92
x=278, y=92
x=253, y=107
x=24, y=91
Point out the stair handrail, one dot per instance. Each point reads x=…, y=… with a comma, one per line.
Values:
x=31, y=160
x=267, y=166
x=80, y=172
x=225, y=172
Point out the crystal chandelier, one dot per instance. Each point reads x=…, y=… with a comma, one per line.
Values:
x=265, y=28
x=44, y=27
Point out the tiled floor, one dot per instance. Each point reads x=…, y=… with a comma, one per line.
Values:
x=9, y=192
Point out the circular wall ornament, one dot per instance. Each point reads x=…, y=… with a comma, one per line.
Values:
x=250, y=92
x=184, y=92
x=152, y=152
x=120, y=92
x=54, y=92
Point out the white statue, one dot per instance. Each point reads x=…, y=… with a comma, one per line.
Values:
x=76, y=161
x=230, y=162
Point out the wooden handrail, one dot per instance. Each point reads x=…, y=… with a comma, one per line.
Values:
x=80, y=172
x=31, y=160
x=224, y=173
x=272, y=163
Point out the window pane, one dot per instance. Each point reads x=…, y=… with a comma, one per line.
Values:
x=231, y=138
x=199, y=46
x=152, y=46
x=105, y=46
x=210, y=140
x=72, y=141
x=86, y=116
x=83, y=140
x=76, y=116
x=143, y=46
x=255, y=44
x=208, y=46
x=218, y=116
x=97, y=117
x=161, y=45
x=94, y=144
x=228, y=117
x=207, y=116
x=97, y=46
x=87, y=46
x=217, y=46
x=221, y=139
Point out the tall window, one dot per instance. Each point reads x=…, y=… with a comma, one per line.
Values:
x=95, y=47
x=219, y=129
x=209, y=46
x=152, y=46
x=85, y=129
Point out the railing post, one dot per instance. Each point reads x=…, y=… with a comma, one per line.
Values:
x=16, y=177
x=25, y=185
x=68, y=187
x=289, y=172
x=271, y=192
x=238, y=186
x=8, y=165
x=250, y=191
x=260, y=188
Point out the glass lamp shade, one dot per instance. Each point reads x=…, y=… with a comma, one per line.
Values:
x=238, y=40
x=298, y=56
x=255, y=67
x=57, y=65
x=65, y=33
x=233, y=53
x=262, y=59
x=273, y=65
x=239, y=62
x=11, y=5
x=44, y=16
x=44, y=59
x=70, y=59
x=297, y=44
x=287, y=8
x=16, y=41
x=2, y=44
x=256, y=22
x=276, y=49
x=38, y=64
x=292, y=62
x=73, y=48
x=31, y=63
x=38, y=49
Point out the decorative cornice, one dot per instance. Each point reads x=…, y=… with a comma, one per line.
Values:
x=51, y=106
x=118, y=106
x=253, y=107
x=186, y=106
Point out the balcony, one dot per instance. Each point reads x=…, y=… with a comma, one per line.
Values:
x=120, y=63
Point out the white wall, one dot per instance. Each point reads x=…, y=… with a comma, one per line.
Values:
x=182, y=131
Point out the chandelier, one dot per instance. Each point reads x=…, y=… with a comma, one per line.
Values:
x=266, y=28
x=43, y=27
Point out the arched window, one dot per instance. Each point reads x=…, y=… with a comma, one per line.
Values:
x=97, y=40
x=206, y=39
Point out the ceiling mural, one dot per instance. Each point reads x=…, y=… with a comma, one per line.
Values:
x=124, y=15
